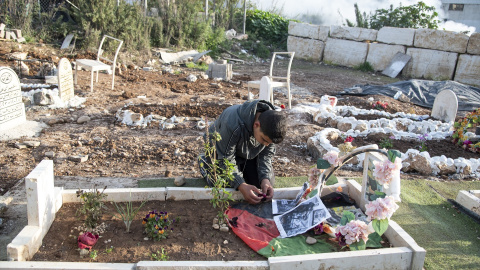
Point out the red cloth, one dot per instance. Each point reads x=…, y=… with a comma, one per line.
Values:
x=87, y=240
x=257, y=232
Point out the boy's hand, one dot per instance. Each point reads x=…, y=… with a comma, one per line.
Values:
x=267, y=189
x=249, y=193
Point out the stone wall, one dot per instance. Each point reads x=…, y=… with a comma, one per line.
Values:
x=436, y=54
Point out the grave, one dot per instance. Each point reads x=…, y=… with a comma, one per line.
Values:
x=469, y=200
x=42, y=206
x=65, y=80
x=12, y=109
x=445, y=106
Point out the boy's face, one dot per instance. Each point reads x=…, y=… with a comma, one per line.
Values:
x=259, y=135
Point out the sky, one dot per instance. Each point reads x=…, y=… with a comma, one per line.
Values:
x=334, y=12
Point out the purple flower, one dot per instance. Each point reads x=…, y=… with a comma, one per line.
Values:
x=467, y=142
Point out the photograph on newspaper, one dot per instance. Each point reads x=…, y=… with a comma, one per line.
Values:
x=302, y=218
x=282, y=206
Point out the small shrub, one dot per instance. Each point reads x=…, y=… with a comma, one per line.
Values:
x=423, y=143
x=386, y=143
x=127, y=212
x=92, y=206
x=201, y=66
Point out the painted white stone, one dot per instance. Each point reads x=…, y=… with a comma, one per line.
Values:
x=468, y=69
x=310, y=49
x=121, y=194
x=40, y=194
x=65, y=80
x=380, y=55
x=470, y=200
x=202, y=265
x=393, y=35
x=12, y=110
x=353, y=33
x=180, y=194
x=430, y=64
x=308, y=30
x=345, y=52
x=66, y=265
x=391, y=258
x=473, y=46
x=445, y=106
x=440, y=40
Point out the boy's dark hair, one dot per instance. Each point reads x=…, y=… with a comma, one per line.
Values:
x=274, y=125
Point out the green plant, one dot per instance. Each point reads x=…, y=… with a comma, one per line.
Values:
x=365, y=67
x=160, y=256
x=200, y=66
x=220, y=173
x=92, y=206
x=157, y=225
x=109, y=250
x=271, y=27
x=93, y=254
x=414, y=16
x=127, y=212
x=386, y=143
x=423, y=143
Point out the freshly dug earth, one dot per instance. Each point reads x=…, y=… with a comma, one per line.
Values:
x=192, y=238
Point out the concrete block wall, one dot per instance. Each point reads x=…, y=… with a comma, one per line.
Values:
x=436, y=54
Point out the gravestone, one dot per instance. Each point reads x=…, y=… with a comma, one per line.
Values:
x=65, y=80
x=12, y=110
x=396, y=65
x=445, y=106
x=371, y=189
x=265, y=88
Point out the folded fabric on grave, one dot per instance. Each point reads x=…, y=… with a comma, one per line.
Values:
x=254, y=225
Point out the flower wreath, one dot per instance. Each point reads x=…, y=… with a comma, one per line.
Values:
x=460, y=128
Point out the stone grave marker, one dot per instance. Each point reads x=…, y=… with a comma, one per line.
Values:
x=396, y=65
x=265, y=89
x=12, y=109
x=445, y=106
x=65, y=80
x=371, y=189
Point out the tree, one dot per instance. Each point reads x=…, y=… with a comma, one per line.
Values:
x=361, y=19
x=415, y=16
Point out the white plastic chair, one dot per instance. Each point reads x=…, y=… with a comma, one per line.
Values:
x=276, y=81
x=97, y=65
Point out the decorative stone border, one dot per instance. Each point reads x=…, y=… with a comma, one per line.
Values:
x=412, y=160
x=406, y=254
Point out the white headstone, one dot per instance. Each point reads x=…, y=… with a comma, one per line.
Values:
x=12, y=110
x=65, y=80
x=445, y=106
x=265, y=88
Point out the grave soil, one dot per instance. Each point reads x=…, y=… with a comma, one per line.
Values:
x=192, y=238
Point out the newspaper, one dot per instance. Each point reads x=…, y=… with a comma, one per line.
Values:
x=282, y=206
x=302, y=218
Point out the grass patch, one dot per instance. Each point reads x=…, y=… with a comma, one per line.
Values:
x=451, y=238
x=202, y=66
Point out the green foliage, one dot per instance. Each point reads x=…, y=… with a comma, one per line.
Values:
x=221, y=174
x=380, y=226
x=271, y=27
x=160, y=256
x=201, y=66
x=365, y=67
x=92, y=206
x=347, y=216
x=93, y=254
x=361, y=18
x=360, y=245
x=386, y=143
x=414, y=16
x=127, y=212
x=322, y=164
x=157, y=225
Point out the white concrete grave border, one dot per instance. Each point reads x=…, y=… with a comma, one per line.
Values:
x=405, y=254
x=470, y=200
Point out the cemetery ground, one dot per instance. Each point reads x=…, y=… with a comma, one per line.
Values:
x=117, y=152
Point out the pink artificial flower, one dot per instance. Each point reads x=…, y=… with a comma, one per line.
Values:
x=313, y=175
x=384, y=171
x=348, y=139
x=353, y=232
x=381, y=208
x=332, y=158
